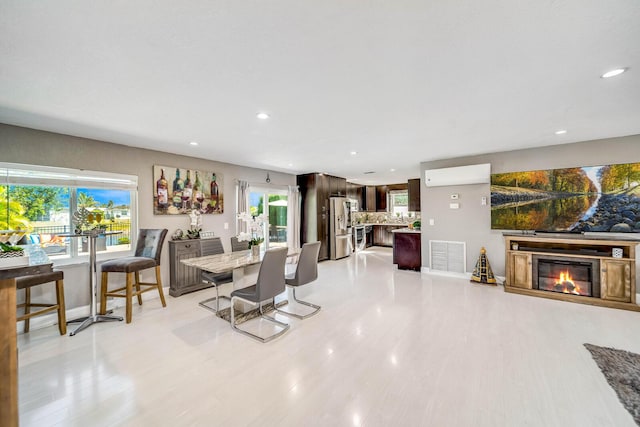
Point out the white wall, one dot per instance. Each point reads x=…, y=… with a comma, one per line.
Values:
x=29, y=146
x=471, y=223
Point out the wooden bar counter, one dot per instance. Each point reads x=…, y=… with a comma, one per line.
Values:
x=8, y=341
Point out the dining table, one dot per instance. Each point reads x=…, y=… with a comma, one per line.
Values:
x=236, y=263
x=93, y=316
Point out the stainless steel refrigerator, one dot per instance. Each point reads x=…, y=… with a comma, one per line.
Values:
x=339, y=227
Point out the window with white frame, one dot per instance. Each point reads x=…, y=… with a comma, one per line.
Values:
x=399, y=202
x=40, y=202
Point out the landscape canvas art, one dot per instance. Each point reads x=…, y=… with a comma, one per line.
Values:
x=582, y=199
x=181, y=191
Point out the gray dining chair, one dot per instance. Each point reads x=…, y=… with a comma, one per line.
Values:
x=237, y=245
x=214, y=246
x=147, y=255
x=306, y=272
x=269, y=284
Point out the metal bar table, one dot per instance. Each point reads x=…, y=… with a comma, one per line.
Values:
x=93, y=316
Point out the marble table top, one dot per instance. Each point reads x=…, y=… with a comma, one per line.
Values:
x=223, y=263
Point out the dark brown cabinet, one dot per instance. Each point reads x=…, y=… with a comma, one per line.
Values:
x=382, y=235
x=369, y=198
x=337, y=186
x=381, y=198
x=414, y=195
x=407, y=251
x=315, y=190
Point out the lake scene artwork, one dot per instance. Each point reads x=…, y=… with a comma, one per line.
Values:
x=584, y=199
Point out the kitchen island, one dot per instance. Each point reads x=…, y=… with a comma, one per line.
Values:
x=407, y=251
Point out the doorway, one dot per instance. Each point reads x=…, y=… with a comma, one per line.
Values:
x=275, y=204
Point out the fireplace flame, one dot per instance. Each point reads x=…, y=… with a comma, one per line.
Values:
x=566, y=284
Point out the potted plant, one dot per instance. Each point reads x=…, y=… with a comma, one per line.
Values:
x=254, y=234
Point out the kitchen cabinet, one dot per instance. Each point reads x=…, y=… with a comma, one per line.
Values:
x=369, y=198
x=337, y=186
x=382, y=235
x=407, y=250
x=414, y=195
x=352, y=190
x=381, y=198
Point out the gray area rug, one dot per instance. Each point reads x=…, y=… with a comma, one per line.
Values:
x=225, y=313
x=622, y=371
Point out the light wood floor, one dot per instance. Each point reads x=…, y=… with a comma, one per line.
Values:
x=388, y=348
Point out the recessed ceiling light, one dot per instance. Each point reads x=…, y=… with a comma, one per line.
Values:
x=392, y=170
x=614, y=73
x=353, y=153
x=561, y=132
x=193, y=143
x=262, y=116
x=290, y=164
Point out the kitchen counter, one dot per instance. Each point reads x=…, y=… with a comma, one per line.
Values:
x=406, y=230
x=387, y=224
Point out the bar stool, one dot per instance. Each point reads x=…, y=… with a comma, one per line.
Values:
x=27, y=282
x=147, y=255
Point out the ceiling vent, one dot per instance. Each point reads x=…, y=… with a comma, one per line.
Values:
x=369, y=172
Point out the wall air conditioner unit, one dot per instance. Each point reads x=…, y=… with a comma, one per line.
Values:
x=460, y=175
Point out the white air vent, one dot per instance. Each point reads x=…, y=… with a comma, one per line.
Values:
x=448, y=256
x=461, y=175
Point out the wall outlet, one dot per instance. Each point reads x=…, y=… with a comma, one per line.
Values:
x=226, y=225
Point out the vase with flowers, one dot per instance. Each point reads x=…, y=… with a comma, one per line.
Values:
x=254, y=235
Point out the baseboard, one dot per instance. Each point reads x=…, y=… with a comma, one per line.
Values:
x=50, y=319
x=467, y=276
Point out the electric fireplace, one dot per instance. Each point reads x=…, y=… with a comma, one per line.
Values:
x=567, y=275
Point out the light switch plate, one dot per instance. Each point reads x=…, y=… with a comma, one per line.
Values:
x=454, y=205
x=226, y=225
x=432, y=221
x=483, y=202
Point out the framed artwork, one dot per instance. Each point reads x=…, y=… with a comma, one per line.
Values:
x=574, y=200
x=179, y=191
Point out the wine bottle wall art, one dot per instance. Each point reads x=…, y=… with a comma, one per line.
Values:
x=179, y=190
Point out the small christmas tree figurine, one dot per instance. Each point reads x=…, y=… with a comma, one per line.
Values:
x=482, y=272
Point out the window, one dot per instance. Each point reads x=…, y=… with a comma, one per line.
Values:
x=399, y=202
x=41, y=201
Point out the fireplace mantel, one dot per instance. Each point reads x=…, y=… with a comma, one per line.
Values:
x=617, y=274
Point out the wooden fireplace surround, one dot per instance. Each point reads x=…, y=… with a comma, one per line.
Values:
x=617, y=275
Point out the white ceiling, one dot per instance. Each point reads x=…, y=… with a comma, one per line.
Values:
x=400, y=82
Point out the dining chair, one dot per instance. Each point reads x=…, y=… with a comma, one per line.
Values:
x=306, y=272
x=147, y=255
x=27, y=282
x=269, y=284
x=236, y=245
x=214, y=246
